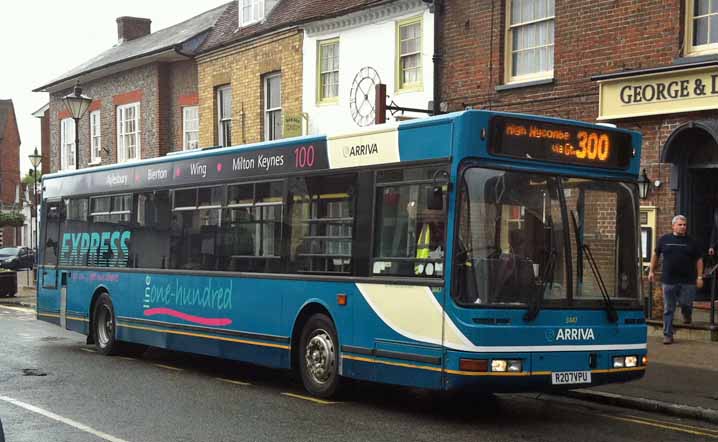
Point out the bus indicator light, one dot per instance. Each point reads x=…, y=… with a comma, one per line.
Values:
x=474, y=365
x=341, y=299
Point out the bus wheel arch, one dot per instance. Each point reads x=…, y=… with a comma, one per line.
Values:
x=315, y=350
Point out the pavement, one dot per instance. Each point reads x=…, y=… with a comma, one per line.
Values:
x=681, y=379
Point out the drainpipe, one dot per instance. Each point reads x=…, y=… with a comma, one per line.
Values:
x=436, y=8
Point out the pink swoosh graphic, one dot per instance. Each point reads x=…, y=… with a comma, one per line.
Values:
x=186, y=317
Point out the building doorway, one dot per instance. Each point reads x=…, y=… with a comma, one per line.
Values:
x=693, y=151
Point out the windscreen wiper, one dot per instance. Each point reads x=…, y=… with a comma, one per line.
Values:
x=581, y=248
x=610, y=310
x=546, y=281
x=546, y=276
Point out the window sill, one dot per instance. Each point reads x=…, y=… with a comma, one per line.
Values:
x=94, y=163
x=328, y=102
x=696, y=57
x=418, y=87
x=510, y=86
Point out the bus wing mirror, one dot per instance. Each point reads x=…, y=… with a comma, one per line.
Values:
x=435, y=198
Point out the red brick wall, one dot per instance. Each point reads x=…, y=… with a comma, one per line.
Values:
x=9, y=171
x=591, y=38
x=157, y=87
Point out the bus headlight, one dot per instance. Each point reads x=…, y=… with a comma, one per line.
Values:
x=504, y=365
x=631, y=361
x=498, y=365
x=515, y=365
x=625, y=361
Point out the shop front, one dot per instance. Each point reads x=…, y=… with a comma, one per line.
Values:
x=676, y=110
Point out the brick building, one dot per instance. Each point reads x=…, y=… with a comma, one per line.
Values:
x=9, y=169
x=645, y=65
x=144, y=96
x=251, y=69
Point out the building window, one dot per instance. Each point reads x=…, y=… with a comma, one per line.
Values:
x=702, y=26
x=250, y=11
x=190, y=127
x=328, y=71
x=128, y=132
x=409, y=54
x=95, y=137
x=530, y=37
x=273, y=107
x=224, y=115
x=67, y=144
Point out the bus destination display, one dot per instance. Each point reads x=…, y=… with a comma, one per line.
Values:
x=555, y=142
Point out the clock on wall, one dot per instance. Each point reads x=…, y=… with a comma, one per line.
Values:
x=361, y=96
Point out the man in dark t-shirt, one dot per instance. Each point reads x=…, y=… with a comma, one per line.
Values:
x=681, y=273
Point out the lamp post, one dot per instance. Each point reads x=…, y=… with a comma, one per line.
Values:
x=644, y=185
x=77, y=104
x=35, y=159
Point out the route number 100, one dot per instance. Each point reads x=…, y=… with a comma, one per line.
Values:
x=304, y=157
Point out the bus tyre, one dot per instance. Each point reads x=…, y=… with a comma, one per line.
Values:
x=104, y=326
x=319, y=356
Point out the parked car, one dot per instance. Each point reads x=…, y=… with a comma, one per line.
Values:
x=16, y=258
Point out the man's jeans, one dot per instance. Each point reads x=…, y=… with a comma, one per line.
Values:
x=684, y=294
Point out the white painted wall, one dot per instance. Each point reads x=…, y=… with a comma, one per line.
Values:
x=371, y=43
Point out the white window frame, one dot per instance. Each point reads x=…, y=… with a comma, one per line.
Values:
x=67, y=144
x=690, y=48
x=95, y=137
x=122, y=154
x=322, y=47
x=509, y=49
x=256, y=12
x=401, y=85
x=269, y=111
x=222, y=119
x=190, y=127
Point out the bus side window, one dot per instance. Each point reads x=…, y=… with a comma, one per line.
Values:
x=322, y=224
x=409, y=236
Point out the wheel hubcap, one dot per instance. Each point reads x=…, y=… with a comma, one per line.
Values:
x=320, y=356
x=105, y=326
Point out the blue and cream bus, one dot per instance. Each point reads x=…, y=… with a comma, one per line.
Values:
x=476, y=251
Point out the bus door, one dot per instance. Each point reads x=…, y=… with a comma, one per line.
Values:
x=51, y=244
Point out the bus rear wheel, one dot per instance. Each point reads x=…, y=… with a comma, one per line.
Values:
x=104, y=326
x=319, y=356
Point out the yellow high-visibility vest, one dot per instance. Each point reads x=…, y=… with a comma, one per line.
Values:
x=422, y=248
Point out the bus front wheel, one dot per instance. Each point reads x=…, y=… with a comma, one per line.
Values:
x=104, y=325
x=319, y=356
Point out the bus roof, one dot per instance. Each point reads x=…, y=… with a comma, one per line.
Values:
x=457, y=135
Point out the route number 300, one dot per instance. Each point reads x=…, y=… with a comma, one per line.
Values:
x=592, y=146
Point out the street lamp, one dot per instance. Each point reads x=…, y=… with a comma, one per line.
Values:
x=77, y=104
x=644, y=185
x=35, y=160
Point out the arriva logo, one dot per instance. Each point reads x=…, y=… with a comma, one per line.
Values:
x=571, y=334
